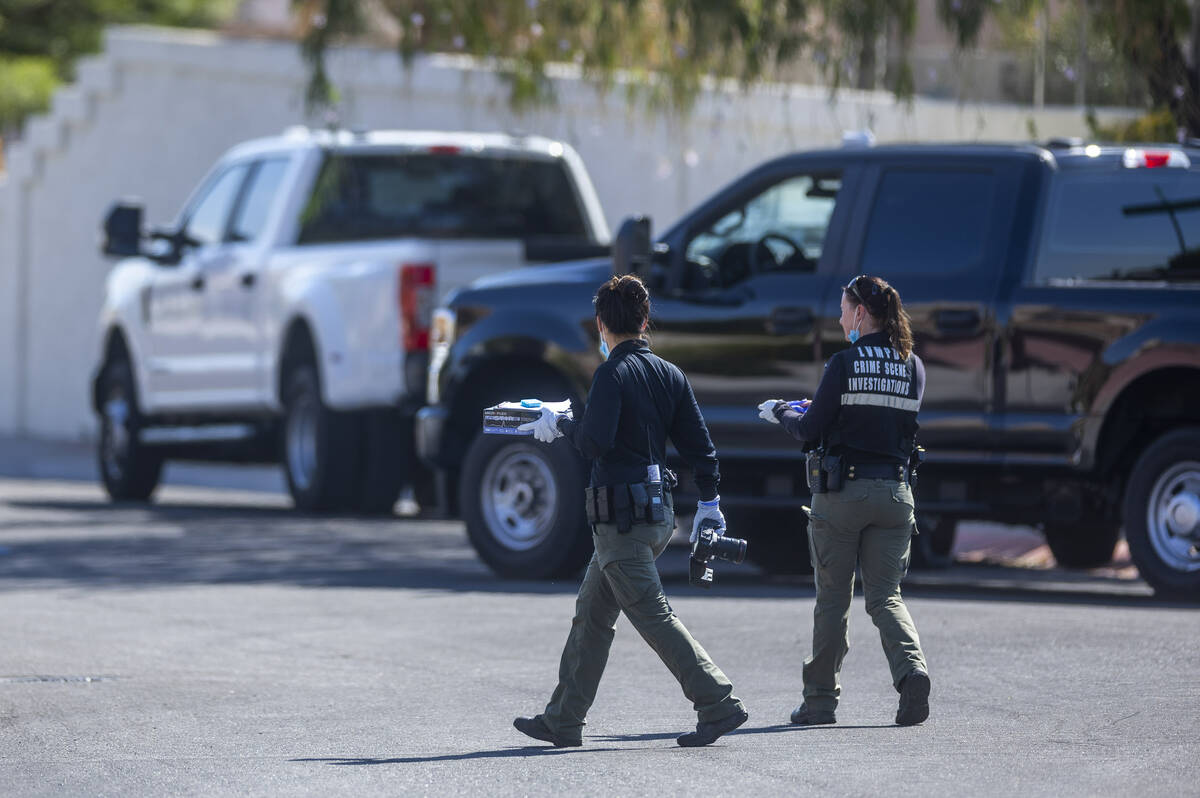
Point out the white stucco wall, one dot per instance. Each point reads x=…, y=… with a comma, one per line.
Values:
x=149, y=116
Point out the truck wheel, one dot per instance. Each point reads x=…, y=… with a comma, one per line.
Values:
x=522, y=502
x=776, y=540
x=385, y=453
x=933, y=548
x=130, y=471
x=1162, y=514
x=319, y=457
x=1088, y=544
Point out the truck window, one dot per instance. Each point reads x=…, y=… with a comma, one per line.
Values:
x=927, y=221
x=209, y=215
x=251, y=214
x=780, y=229
x=1142, y=225
x=365, y=197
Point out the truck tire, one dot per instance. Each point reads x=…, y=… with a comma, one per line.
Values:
x=1162, y=514
x=384, y=455
x=1087, y=544
x=129, y=470
x=319, y=446
x=522, y=502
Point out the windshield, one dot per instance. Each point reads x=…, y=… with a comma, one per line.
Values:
x=440, y=195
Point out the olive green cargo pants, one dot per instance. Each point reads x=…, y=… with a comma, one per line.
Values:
x=869, y=524
x=622, y=576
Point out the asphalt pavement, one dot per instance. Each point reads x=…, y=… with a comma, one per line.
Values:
x=218, y=643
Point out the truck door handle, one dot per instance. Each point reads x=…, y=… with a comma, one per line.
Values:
x=248, y=279
x=958, y=321
x=197, y=283
x=790, y=321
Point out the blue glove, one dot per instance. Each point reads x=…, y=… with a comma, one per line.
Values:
x=545, y=428
x=705, y=511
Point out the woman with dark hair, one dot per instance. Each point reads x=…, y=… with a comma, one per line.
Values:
x=636, y=402
x=860, y=429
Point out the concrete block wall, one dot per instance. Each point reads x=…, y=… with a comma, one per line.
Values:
x=149, y=116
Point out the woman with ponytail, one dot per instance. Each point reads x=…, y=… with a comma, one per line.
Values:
x=637, y=401
x=860, y=429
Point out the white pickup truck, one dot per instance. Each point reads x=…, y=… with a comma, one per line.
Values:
x=284, y=316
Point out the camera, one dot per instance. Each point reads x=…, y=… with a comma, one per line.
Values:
x=711, y=544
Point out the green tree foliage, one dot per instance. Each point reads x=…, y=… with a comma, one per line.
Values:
x=671, y=45
x=1143, y=36
x=41, y=39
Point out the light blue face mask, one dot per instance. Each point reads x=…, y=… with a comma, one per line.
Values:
x=853, y=335
x=603, y=348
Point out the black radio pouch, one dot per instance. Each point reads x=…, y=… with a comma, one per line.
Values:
x=589, y=504
x=622, y=511
x=656, y=511
x=832, y=465
x=814, y=472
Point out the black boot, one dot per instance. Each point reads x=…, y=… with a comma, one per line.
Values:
x=707, y=733
x=803, y=716
x=914, y=699
x=536, y=728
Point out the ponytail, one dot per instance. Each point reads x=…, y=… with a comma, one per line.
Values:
x=896, y=323
x=883, y=303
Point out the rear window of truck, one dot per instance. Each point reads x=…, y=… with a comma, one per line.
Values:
x=1135, y=225
x=439, y=195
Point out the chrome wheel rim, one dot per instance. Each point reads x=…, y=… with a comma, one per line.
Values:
x=1173, y=516
x=302, y=442
x=519, y=496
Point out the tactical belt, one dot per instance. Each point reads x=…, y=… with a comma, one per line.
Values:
x=896, y=471
x=626, y=505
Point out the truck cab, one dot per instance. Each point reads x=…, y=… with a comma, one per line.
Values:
x=283, y=316
x=1053, y=293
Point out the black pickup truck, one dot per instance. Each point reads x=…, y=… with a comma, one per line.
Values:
x=1054, y=292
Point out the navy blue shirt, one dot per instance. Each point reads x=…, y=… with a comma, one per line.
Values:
x=637, y=401
x=866, y=405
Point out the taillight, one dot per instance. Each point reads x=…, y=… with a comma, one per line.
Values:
x=1135, y=158
x=444, y=149
x=418, y=283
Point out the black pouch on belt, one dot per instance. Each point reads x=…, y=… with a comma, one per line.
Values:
x=622, y=510
x=589, y=504
x=656, y=511
x=641, y=502
x=832, y=465
x=603, y=506
x=814, y=472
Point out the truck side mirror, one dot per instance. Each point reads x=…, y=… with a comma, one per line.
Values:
x=123, y=229
x=631, y=248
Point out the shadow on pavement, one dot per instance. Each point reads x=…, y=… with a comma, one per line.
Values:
x=777, y=728
x=500, y=753
x=129, y=545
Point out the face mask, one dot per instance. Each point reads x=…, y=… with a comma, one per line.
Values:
x=853, y=335
x=603, y=348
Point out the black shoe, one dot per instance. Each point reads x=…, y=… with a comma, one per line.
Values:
x=536, y=728
x=803, y=716
x=707, y=733
x=914, y=699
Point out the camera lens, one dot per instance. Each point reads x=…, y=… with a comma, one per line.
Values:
x=731, y=549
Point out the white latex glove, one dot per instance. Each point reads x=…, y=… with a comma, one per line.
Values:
x=766, y=411
x=704, y=511
x=545, y=429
